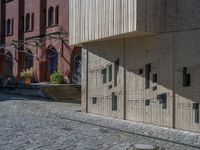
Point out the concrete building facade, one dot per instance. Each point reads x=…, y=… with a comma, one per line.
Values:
x=140, y=59
x=35, y=34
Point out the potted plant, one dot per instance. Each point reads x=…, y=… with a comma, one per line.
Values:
x=57, y=78
x=27, y=75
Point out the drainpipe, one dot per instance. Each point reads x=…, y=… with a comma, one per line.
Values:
x=173, y=88
x=124, y=65
x=86, y=78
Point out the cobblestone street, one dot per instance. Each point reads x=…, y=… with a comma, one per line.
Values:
x=32, y=123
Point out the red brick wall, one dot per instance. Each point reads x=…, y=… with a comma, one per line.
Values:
x=40, y=34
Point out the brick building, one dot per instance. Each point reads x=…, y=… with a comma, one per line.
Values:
x=34, y=34
x=140, y=59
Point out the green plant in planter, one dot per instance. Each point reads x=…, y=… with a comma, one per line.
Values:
x=57, y=78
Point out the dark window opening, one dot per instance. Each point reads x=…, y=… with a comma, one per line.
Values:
x=29, y=60
x=94, y=100
x=110, y=72
x=155, y=88
x=8, y=27
x=50, y=16
x=9, y=64
x=27, y=22
x=12, y=26
x=57, y=15
x=22, y=23
x=140, y=71
x=32, y=21
x=147, y=76
x=147, y=102
x=104, y=72
x=155, y=78
x=186, y=78
x=116, y=68
x=163, y=100
x=196, y=112
x=114, y=102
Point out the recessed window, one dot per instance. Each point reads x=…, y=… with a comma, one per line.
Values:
x=196, y=112
x=22, y=23
x=28, y=60
x=9, y=64
x=50, y=16
x=163, y=100
x=104, y=72
x=114, y=102
x=140, y=71
x=147, y=76
x=147, y=102
x=110, y=73
x=186, y=78
x=94, y=100
x=57, y=15
x=116, y=71
x=155, y=78
x=28, y=22
x=8, y=27
x=32, y=21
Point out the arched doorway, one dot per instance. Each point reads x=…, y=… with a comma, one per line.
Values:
x=2, y=64
x=9, y=64
x=76, y=73
x=28, y=60
x=52, y=61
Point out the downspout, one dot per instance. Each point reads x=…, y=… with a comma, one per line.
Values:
x=86, y=78
x=124, y=64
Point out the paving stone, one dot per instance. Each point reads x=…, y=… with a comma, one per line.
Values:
x=30, y=123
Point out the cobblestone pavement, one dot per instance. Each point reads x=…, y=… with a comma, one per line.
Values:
x=32, y=123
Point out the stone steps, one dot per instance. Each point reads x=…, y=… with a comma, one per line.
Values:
x=64, y=93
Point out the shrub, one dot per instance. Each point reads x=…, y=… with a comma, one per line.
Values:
x=57, y=78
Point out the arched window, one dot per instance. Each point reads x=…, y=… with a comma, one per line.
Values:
x=8, y=27
x=50, y=16
x=9, y=64
x=29, y=60
x=12, y=26
x=52, y=60
x=57, y=15
x=27, y=22
x=32, y=21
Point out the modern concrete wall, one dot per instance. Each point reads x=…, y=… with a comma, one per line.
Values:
x=168, y=54
x=92, y=20
x=96, y=19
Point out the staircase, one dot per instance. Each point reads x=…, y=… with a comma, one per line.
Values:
x=63, y=93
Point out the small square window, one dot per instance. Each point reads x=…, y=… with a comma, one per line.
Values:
x=163, y=100
x=155, y=78
x=94, y=100
x=147, y=102
x=140, y=71
x=155, y=88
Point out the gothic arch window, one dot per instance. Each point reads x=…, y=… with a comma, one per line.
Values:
x=32, y=21
x=27, y=22
x=8, y=27
x=57, y=15
x=9, y=64
x=29, y=60
x=52, y=60
x=50, y=16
